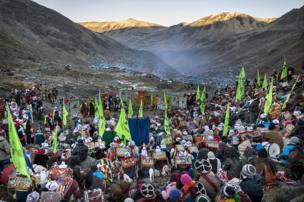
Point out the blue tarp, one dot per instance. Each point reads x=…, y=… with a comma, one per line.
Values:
x=139, y=128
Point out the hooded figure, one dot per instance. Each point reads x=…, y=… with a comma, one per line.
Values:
x=215, y=162
x=80, y=150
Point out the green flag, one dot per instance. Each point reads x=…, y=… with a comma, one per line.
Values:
x=55, y=140
x=198, y=94
x=242, y=73
x=203, y=100
x=16, y=151
x=240, y=90
x=45, y=119
x=100, y=108
x=101, y=120
x=141, y=110
x=130, y=109
x=101, y=126
x=151, y=100
x=96, y=107
x=165, y=103
x=53, y=115
x=268, y=101
x=121, y=100
x=289, y=94
x=238, y=95
x=166, y=125
x=122, y=126
x=64, y=115
x=258, y=79
x=226, y=123
x=284, y=71
x=166, y=121
x=265, y=83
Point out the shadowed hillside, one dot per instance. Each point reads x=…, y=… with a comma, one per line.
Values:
x=33, y=34
x=222, y=43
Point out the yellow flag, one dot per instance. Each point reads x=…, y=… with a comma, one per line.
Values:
x=284, y=71
x=258, y=79
x=16, y=151
x=240, y=90
x=203, y=101
x=166, y=121
x=55, y=140
x=265, y=83
x=226, y=123
x=289, y=94
x=130, y=109
x=198, y=94
x=141, y=110
x=64, y=115
x=268, y=102
x=122, y=127
x=101, y=120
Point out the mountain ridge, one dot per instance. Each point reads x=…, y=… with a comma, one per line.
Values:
x=209, y=49
x=35, y=34
x=116, y=25
x=225, y=16
x=107, y=26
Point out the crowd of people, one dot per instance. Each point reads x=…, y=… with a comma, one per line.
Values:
x=194, y=162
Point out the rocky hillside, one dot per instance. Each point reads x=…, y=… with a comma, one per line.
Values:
x=216, y=46
x=266, y=47
x=31, y=34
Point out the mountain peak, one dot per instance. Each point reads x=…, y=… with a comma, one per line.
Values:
x=226, y=16
x=133, y=20
x=118, y=25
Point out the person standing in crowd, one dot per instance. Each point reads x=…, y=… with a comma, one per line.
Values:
x=4, y=150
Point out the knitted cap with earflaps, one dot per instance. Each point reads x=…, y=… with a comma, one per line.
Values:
x=229, y=191
x=248, y=170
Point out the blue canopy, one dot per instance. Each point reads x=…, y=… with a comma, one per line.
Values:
x=139, y=128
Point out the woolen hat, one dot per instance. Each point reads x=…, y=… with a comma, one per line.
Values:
x=185, y=179
x=229, y=190
x=33, y=197
x=211, y=155
x=248, y=170
x=174, y=194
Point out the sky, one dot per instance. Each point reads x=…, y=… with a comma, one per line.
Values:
x=165, y=12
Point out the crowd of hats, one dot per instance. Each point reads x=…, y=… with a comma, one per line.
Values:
x=189, y=128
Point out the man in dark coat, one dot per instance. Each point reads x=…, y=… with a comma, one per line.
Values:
x=81, y=150
x=254, y=110
x=251, y=183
